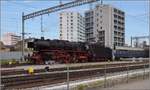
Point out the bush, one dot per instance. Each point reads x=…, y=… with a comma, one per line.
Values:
x=81, y=87
x=6, y=62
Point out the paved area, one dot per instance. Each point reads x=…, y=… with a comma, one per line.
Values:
x=137, y=85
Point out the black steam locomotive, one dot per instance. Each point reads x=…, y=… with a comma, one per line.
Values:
x=67, y=52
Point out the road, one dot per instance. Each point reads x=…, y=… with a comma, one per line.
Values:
x=137, y=85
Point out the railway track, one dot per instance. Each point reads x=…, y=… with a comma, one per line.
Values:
x=22, y=71
x=48, y=78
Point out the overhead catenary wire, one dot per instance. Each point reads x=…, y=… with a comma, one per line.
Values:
x=136, y=18
x=142, y=14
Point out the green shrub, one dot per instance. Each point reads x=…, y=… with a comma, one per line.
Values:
x=81, y=87
x=6, y=62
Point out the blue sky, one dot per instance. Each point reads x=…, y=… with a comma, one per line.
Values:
x=136, y=20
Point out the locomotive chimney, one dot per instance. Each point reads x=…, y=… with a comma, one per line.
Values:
x=42, y=38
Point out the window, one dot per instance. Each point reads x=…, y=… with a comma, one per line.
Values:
x=100, y=10
x=97, y=25
x=122, y=18
x=97, y=19
x=115, y=21
x=119, y=17
x=122, y=13
x=115, y=32
x=119, y=27
x=87, y=13
x=115, y=39
x=115, y=16
x=115, y=27
x=97, y=14
x=97, y=7
x=115, y=43
x=115, y=10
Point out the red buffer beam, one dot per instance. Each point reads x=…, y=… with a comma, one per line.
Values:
x=57, y=8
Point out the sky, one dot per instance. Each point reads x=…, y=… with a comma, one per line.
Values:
x=136, y=17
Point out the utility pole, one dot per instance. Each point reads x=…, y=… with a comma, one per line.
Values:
x=42, y=31
x=149, y=51
x=101, y=2
x=149, y=41
x=105, y=75
x=68, y=76
x=131, y=41
x=113, y=52
x=128, y=73
x=23, y=36
x=60, y=2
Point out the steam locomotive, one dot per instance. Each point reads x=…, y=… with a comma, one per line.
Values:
x=62, y=51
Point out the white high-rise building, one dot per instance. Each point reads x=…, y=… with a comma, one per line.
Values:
x=106, y=25
x=72, y=27
x=10, y=39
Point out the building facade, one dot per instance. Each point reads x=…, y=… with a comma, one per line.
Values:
x=106, y=25
x=72, y=27
x=10, y=39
